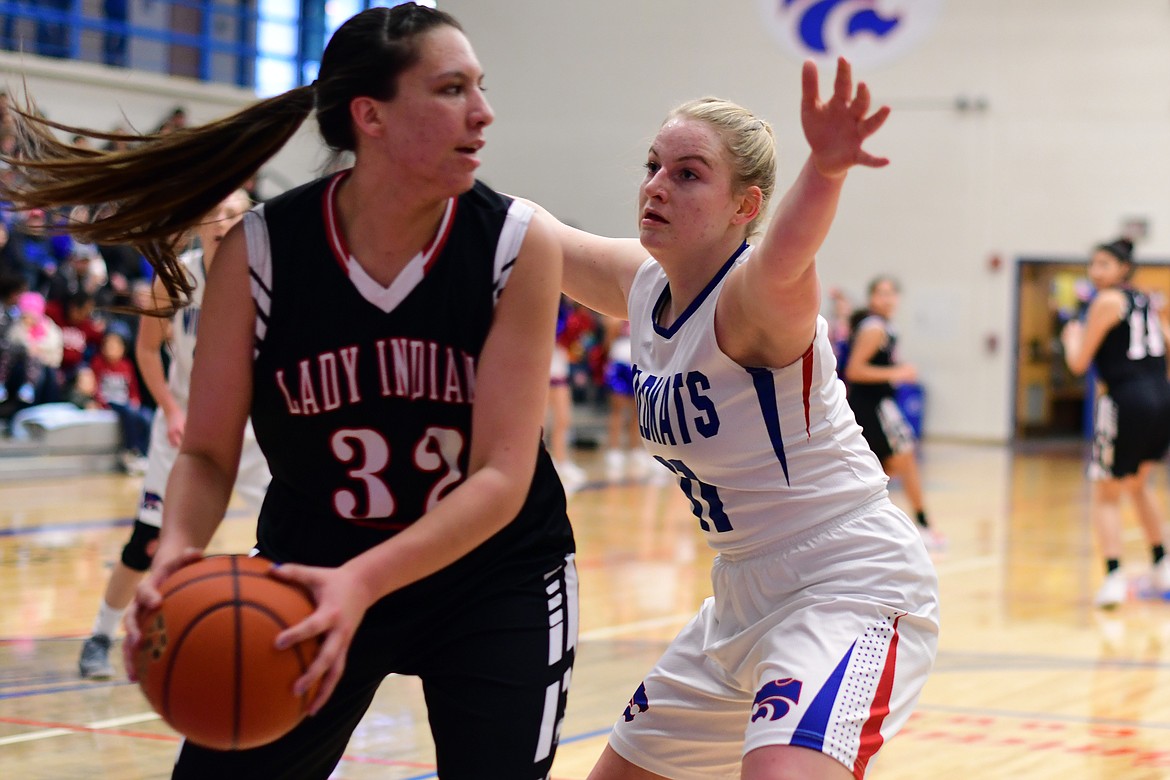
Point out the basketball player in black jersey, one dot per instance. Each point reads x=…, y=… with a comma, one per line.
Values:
x=1124, y=339
x=871, y=371
x=389, y=329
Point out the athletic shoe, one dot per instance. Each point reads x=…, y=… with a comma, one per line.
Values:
x=1161, y=578
x=934, y=541
x=95, y=658
x=572, y=476
x=615, y=463
x=1113, y=590
x=134, y=464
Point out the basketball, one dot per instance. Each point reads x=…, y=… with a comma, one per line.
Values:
x=208, y=663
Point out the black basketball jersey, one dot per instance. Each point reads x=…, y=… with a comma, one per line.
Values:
x=872, y=392
x=1133, y=348
x=362, y=395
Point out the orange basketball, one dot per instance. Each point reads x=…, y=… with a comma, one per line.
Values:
x=208, y=663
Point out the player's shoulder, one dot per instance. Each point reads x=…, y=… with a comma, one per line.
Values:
x=481, y=197
x=1111, y=300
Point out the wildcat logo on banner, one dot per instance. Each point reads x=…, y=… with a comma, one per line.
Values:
x=866, y=32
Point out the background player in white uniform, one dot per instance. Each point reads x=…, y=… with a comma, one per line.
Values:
x=823, y=625
x=622, y=418
x=166, y=433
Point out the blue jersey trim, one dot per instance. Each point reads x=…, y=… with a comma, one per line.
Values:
x=765, y=385
x=810, y=732
x=667, y=333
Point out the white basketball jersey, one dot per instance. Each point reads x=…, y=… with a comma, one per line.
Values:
x=185, y=329
x=762, y=454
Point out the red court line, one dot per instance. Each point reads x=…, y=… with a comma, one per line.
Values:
x=1069, y=745
x=49, y=724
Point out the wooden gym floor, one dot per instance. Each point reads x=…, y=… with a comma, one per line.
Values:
x=1031, y=680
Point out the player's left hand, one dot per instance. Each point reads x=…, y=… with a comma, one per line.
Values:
x=835, y=130
x=341, y=601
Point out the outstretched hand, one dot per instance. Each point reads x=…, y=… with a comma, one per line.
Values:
x=836, y=129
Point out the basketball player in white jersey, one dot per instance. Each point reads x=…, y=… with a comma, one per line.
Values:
x=824, y=621
x=1124, y=339
x=166, y=434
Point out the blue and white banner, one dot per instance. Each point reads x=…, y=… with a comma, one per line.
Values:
x=868, y=33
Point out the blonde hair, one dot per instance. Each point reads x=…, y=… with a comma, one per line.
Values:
x=748, y=139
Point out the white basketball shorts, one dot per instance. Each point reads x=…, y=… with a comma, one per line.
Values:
x=823, y=641
x=252, y=477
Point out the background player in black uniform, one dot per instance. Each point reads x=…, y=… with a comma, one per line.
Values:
x=389, y=330
x=871, y=371
x=1125, y=340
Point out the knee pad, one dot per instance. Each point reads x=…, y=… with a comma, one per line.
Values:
x=139, y=551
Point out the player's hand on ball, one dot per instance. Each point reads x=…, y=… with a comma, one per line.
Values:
x=341, y=602
x=147, y=599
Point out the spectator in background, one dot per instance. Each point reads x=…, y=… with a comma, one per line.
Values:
x=176, y=120
x=35, y=249
x=81, y=335
x=118, y=144
x=12, y=353
x=125, y=266
x=41, y=339
x=10, y=259
x=84, y=271
x=141, y=299
x=117, y=389
x=83, y=395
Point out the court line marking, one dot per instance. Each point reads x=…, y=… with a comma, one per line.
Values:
x=97, y=725
x=630, y=628
x=101, y=523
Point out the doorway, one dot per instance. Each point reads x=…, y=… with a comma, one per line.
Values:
x=1049, y=401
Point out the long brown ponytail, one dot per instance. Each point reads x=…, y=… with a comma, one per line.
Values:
x=151, y=194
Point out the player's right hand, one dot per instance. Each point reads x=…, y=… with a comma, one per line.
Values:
x=147, y=599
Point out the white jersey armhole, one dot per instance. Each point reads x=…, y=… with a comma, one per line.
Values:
x=259, y=271
x=508, y=245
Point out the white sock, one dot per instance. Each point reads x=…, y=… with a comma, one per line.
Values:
x=107, y=620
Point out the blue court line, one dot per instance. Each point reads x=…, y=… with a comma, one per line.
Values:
x=90, y=525
x=78, y=686
x=81, y=525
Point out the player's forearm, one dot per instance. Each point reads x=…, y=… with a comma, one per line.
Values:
x=461, y=522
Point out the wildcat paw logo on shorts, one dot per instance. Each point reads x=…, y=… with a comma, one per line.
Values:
x=776, y=698
x=152, y=501
x=638, y=703
x=867, y=32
